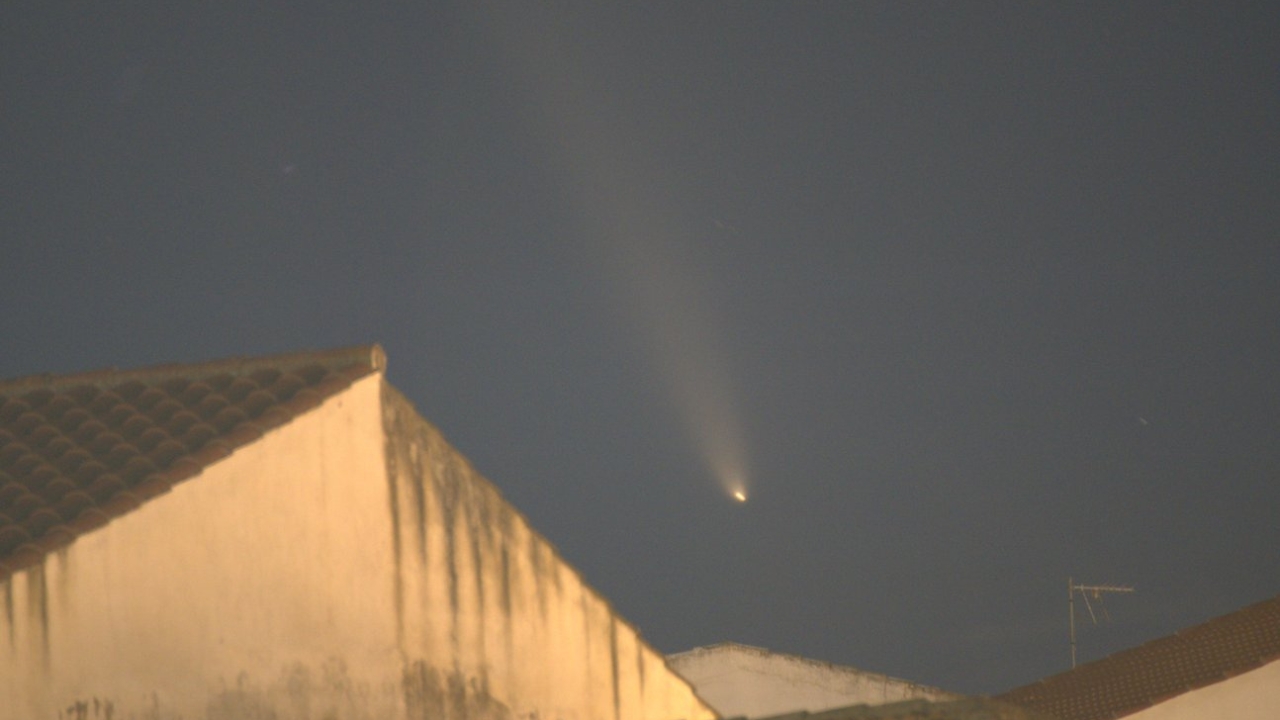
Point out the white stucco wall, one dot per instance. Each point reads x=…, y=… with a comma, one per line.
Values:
x=1254, y=695
x=336, y=568
x=744, y=681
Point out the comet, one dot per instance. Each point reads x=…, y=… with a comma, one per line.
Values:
x=638, y=236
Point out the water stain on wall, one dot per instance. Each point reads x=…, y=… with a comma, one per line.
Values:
x=397, y=580
x=8, y=611
x=431, y=695
x=38, y=588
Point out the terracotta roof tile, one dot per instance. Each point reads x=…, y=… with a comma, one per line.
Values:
x=1128, y=681
x=79, y=450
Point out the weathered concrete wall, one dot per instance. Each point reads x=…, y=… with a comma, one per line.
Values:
x=744, y=681
x=257, y=589
x=1255, y=695
x=329, y=570
x=491, y=622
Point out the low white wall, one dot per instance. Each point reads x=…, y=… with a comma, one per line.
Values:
x=744, y=681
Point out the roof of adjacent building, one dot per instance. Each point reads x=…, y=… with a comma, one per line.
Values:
x=1134, y=679
x=740, y=650
x=963, y=709
x=77, y=451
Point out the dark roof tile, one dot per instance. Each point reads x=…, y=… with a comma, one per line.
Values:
x=25, y=555
x=1134, y=679
x=91, y=518
x=152, y=486
x=70, y=506
x=242, y=433
x=79, y=450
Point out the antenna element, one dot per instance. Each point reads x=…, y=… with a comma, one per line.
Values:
x=1085, y=591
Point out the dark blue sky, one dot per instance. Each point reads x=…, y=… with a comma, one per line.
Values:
x=977, y=296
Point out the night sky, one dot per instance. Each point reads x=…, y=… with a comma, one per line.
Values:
x=970, y=297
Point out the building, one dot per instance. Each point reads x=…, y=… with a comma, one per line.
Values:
x=744, y=681
x=1228, y=667
x=284, y=538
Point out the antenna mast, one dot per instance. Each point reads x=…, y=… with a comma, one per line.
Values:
x=1085, y=591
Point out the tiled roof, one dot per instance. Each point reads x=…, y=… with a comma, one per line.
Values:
x=79, y=450
x=1134, y=679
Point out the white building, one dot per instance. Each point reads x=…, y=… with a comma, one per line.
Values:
x=1225, y=669
x=744, y=681
x=284, y=538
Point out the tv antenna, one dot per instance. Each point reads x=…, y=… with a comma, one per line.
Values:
x=1085, y=591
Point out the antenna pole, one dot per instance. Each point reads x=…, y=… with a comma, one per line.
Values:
x=1097, y=590
x=1071, y=612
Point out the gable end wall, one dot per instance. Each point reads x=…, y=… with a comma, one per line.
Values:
x=492, y=622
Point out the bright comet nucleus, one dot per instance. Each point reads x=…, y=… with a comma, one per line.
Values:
x=739, y=496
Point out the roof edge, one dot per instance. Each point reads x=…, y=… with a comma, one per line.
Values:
x=371, y=357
